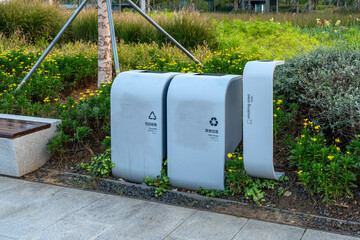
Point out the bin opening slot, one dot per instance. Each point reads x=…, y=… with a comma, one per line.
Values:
x=153, y=72
x=210, y=74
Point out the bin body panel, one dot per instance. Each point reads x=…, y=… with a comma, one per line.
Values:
x=233, y=117
x=258, y=119
x=196, y=130
x=138, y=126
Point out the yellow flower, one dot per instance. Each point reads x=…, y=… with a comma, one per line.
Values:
x=337, y=140
x=275, y=115
x=299, y=172
x=347, y=152
x=305, y=124
x=317, y=127
x=279, y=102
x=230, y=170
x=229, y=155
x=302, y=136
x=313, y=139
x=337, y=148
x=240, y=158
x=330, y=157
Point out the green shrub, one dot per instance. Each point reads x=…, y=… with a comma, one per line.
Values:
x=34, y=19
x=325, y=83
x=231, y=61
x=56, y=74
x=100, y=166
x=39, y=23
x=189, y=29
x=332, y=33
x=274, y=40
x=85, y=124
x=323, y=168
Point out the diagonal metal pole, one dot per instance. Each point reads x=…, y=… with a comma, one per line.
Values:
x=164, y=32
x=52, y=44
x=113, y=38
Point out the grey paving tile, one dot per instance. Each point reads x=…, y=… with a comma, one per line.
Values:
x=207, y=225
x=22, y=194
x=9, y=183
x=6, y=238
x=320, y=235
x=38, y=215
x=152, y=221
x=111, y=209
x=72, y=228
x=259, y=230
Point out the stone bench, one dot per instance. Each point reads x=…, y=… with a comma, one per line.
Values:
x=23, y=143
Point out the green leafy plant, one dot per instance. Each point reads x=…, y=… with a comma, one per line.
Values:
x=284, y=118
x=322, y=167
x=100, y=166
x=238, y=183
x=161, y=183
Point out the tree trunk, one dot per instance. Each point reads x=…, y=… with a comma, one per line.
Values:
x=309, y=6
x=267, y=6
x=104, y=45
x=357, y=5
x=236, y=5
x=119, y=5
x=148, y=5
x=297, y=6
x=51, y=2
x=277, y=6
x=337, y=3
x=249, y=5
x=316, y=4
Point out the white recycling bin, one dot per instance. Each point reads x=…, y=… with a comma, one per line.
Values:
x=258, y=119
x=204, y=122
x=138, y=123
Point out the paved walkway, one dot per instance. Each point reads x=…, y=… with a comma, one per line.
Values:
x=39, y=211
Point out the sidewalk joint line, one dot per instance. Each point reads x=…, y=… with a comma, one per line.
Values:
x=305, y=229
x=247, y=220
x=180, y=224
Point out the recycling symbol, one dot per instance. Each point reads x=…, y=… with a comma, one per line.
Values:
x=213, y=121
x=152, y=116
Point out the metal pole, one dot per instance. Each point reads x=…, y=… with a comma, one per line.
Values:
x=113, y=38
x=52, y=44
x=164, y=32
